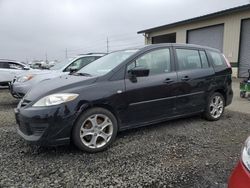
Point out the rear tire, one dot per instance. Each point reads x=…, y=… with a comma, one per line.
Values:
x=215, y=107
x=95, y=130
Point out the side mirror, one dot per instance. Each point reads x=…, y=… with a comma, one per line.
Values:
x=26, y=68
x=137, y=72
x=73, y=69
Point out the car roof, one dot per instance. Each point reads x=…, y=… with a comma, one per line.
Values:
x=180, y=45
x=12, y=61
x=8, y=60
x=183, y=45
x=91, y=54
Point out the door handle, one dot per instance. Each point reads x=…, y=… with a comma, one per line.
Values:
x=168, y=80
x=185, y=78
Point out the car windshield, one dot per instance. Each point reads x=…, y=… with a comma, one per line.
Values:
x=106, y=63
x=58, y=66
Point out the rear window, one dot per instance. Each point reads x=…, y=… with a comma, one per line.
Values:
x=217, y=58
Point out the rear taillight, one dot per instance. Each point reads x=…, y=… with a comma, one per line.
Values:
x=228, y=63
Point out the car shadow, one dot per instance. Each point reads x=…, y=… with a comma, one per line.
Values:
x=73, y=150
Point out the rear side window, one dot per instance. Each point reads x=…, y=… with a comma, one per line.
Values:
x=188, y=59
x=15, y=66
x=4, y=65
x=217, y=59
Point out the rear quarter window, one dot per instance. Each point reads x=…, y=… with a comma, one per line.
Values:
x=217, y=59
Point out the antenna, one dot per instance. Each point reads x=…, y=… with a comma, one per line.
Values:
x=66, y=53
x=107, y=45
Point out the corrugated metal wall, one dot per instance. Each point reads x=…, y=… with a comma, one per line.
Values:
x=211, y=36
x=231, y=41
x=244, y=60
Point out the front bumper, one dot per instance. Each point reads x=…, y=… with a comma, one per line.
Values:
x=240, y=177
x=45, y=126
x=18, y=90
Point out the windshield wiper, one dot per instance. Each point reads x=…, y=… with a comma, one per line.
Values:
x=81, y=74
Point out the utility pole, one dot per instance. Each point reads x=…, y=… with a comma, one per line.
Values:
x=66, y=53
x=107, y=45
x=46, y=57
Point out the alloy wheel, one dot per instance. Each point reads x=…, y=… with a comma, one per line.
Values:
x=96, y=131
x=216, y=106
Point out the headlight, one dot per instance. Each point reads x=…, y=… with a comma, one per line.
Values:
x=25, y=78
x=246, y=154
x=56, y=99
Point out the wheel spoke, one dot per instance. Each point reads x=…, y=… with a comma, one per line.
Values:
x=105, y=125
x=105, y=136
x=212, y=105
x=93, y=141
x=213, y=111
x=86, y=133
x=93, y=120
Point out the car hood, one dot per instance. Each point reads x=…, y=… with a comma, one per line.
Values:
x=35, y=72
x=65, y=83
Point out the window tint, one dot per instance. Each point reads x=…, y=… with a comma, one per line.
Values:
x=204, y=60
x=188, y=59
x=4, y=65
x=217, y=59
x=15, y=66
x=157, y=62
x=80, y=63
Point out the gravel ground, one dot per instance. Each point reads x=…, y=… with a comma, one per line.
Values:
x=189, y=152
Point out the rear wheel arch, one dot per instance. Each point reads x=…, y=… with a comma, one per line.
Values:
x=222, y=92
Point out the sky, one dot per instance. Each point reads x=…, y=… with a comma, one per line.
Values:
x=56, y=29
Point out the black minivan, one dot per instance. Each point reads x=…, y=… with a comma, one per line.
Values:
x=126, y=89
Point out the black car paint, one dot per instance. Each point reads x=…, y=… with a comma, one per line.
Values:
x=149, y=100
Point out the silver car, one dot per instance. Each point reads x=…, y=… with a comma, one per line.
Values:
x=9, y=69
x=24, y=82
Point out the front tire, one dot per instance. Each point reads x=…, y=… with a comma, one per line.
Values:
x=95, y=130
x=215, y=107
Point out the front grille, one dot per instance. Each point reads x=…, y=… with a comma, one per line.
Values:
x=38, y=129
x=24, y=127
x=30, y=129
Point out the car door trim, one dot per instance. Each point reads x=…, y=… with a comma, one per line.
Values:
x=165, y=98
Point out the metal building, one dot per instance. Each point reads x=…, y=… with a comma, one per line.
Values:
x=227, y=30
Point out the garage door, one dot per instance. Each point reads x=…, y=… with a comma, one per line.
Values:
x=209, y=36
x=244, y=60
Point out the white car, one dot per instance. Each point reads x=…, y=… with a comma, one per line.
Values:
x=9, y=69
x=24, y=82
